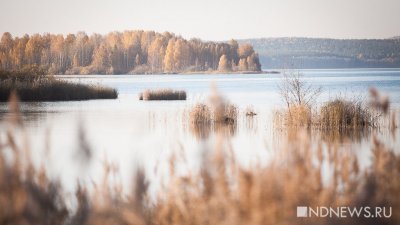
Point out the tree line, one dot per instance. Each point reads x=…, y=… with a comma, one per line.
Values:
x=327, y=53
x=136, y=52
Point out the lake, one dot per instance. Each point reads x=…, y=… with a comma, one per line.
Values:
x=132, y=133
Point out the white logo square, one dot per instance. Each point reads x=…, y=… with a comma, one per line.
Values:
x=301, y=211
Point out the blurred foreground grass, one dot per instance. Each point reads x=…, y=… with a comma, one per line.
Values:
x=302, y=173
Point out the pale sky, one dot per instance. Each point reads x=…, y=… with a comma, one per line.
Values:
x=206, y=19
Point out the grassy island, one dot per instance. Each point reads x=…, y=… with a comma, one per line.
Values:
x=31, y=84
x=162, y=94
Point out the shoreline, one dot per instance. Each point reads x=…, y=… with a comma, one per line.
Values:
x=231, y=72
x=177, y=73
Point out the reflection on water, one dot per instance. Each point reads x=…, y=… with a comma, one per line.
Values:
x=202, y=131
x=251, y=123
x=355, y=137
x=346, y=135
x=132, y=132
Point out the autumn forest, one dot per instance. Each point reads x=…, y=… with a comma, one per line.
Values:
x=129, y=52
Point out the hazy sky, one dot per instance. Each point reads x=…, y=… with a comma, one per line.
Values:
x=206, y=19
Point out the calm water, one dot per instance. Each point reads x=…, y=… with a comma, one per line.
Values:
x=134, y=133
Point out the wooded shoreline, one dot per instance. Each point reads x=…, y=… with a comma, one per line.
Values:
x=128, y=52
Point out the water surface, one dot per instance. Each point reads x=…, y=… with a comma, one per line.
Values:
x=134, y=133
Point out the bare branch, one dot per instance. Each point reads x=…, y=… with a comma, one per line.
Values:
x=295, y=91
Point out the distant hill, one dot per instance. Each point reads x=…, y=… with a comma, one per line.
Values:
x=278, y=53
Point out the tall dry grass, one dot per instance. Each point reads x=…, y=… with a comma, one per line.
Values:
x=27, y=195
x=223, y=192
x=162, y=94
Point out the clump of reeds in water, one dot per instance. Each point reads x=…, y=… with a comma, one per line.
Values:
x=298, y=97
x=200, y=114
x=341, y=114
x=223, y=111
x=338, y=114
x=296, y=116
x=31, y=84
x=200, y=120
x=217, y=114
x=335, y=115
x=218, y=110
x=162, y=94
x=204, y=119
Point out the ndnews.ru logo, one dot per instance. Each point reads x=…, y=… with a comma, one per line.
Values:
x=344, y=212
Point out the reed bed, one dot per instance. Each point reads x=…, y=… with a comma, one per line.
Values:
x=200, y=121
x=217, y=115
x=55, y=90
x=204, y=119
x=32, y=85
x=336, y=115
x=162, y=94
x=200, y=114
x=343, y=114
x=218, y=110
x=205, y=114
x=297, y=116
